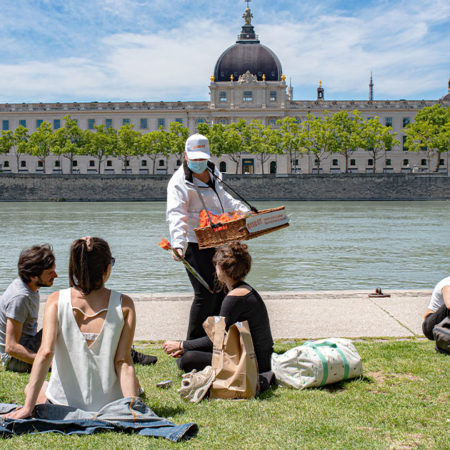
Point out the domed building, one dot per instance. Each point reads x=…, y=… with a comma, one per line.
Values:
x=247, y=83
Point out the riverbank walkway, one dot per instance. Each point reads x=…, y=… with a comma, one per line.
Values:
x=310, y=315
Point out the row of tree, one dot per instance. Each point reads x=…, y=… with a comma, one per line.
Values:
x=339, y=133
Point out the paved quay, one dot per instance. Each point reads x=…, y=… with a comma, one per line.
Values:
x=305, y=314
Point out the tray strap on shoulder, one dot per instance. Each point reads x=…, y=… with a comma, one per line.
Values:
x=213, y=225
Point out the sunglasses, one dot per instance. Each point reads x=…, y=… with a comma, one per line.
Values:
x=113, y=261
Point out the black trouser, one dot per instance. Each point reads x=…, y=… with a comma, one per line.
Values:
x=205, y=304
x=433, y=319
x=31, y=343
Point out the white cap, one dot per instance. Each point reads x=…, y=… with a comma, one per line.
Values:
x=197, y=147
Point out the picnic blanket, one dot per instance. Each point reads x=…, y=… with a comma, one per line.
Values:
x=129, y=414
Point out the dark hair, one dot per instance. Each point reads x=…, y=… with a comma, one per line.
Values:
x=34, y=260
x=234, y=260
x=87, y=267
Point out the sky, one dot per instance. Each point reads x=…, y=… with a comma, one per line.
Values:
x=135, y=50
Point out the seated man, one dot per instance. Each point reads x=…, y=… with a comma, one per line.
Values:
x=439, y=307
x=19, y=308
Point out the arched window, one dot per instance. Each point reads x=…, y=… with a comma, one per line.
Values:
x=223, y=166
x=273, y=167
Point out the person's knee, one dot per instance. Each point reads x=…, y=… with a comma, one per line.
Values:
x=427, y=328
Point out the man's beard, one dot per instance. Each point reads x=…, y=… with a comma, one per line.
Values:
x=41, y=283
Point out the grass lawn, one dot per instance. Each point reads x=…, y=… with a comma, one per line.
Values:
x=401, y=402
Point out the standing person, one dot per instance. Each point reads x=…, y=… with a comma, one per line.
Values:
x=232, y=262
x=19, y=308
x=192, y=188
x=88, y=331
x=439, y=307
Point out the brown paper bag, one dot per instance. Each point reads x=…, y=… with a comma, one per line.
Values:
x=233, y=359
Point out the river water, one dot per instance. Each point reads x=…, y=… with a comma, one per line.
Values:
x=328, y=245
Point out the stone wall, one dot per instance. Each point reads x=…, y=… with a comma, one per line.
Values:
x=29, y=187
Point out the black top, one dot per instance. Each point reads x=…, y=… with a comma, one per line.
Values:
x=248, y=307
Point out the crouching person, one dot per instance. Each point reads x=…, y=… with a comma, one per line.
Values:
x=19, y=308
x=439, y=307
x=88, y=332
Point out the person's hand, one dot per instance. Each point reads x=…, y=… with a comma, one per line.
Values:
x=177, y=254
x=173, y=348
x=21, y=413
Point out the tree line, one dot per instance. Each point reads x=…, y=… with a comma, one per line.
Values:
x=332, y=133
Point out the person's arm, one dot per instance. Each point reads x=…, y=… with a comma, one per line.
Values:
x=123, y=362
x=12, y=345
x=43, y=358
x=177, y=216
x=446, y=296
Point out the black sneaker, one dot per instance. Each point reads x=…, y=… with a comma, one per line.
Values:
x=142, y=358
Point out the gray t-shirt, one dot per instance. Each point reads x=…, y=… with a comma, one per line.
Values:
x=20, y=303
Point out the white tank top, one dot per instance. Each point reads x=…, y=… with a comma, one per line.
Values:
x=84, y=376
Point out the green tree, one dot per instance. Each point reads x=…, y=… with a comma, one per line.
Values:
x=69, y=141
x=237, y=141
x=19, y=140
x=347, y=129
x=154, y=144
x=101, y=143
x=128, y=144
x=289, y=131
x=41, y=142
x=264, y=141
x=430, y=132
x=318, y=137
x=6, y=141
x=376, y=139
x=177, y=136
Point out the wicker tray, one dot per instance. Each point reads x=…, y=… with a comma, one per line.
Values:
x=234, y=230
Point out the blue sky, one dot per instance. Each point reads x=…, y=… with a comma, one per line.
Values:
x=78, y=50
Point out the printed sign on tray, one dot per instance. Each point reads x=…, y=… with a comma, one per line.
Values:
x=265, y=221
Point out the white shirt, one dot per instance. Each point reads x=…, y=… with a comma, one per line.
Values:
x=437, y=299
x=184, y=204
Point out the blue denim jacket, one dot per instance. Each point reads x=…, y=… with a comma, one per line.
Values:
x=129, y=414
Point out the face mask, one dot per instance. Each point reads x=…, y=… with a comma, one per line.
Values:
x=198, y=166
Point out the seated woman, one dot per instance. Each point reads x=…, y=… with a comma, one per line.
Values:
x=242, y=302
x=89, y=330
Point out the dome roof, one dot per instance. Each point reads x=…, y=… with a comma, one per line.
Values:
x=248, y=55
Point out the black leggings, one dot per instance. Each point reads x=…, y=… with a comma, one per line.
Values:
x=433, y=319
x=194, y=359
x=205, y=304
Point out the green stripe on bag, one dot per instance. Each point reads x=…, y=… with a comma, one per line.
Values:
x=322, y=359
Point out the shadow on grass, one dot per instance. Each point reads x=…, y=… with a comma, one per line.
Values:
x=341, y=385
x=168, y=411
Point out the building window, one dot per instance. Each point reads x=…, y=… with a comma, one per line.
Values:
x=223, y=166
x=405, y=162
x=144, y=163
x=125, y=121
x=5, y=125
x=161, y=123
x=143, y=123
x=388, y=162
x=109, y=163
x=441, y=162
x=335, y=162
x=56, y=124
x=38, y=123
x=406, y=121
x=23, y=164
x=223, y=121
x=91, y=123
x=91, y=163
x=353, y=162
x=179, y=120
x=272, y=122
x=388, y=121
x=23, y=123
x=295, y=162
x=273, y=96
x=222, y=96
x=108, y=123
x=40, y=164
x=57, y=163
x=161, y=163
x=273, y=167
x=423, y=162
x=200, y=120
x=5, y=163
x=178, y=162
x=75, y=163
x=405, y=147
x=127, y=163
x=370, y=162
x=248, y=96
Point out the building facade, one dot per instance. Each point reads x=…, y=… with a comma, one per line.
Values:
x=248, y=83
